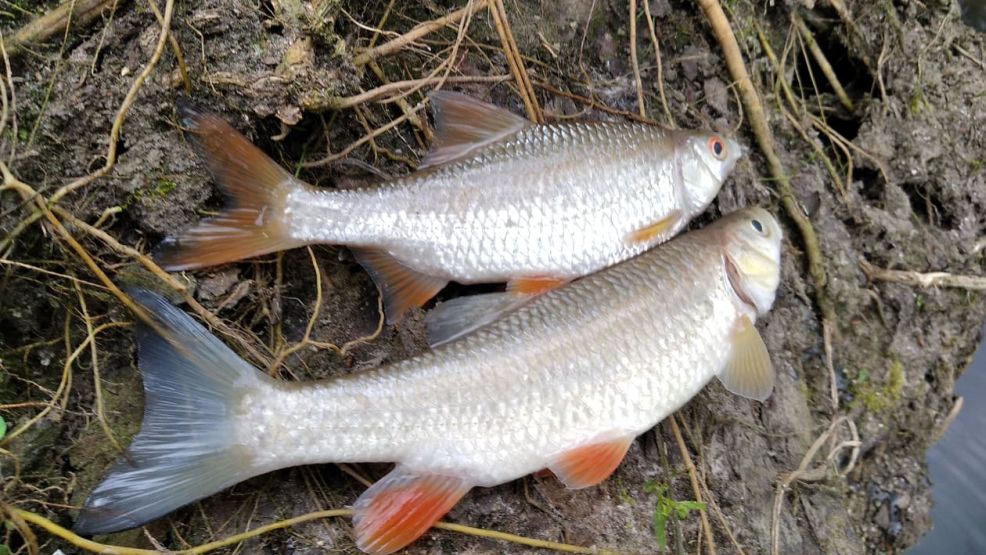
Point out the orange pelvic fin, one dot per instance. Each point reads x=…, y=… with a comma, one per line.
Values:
x=534, y=285
x=256, y=188
x=464, y=124
x=590, y=464
x=401, y=507
x=655, y=230
x=403, y=288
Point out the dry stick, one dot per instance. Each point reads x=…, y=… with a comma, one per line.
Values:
x=660, y=68
x=124, y=108
x=210, y=318
x=95, y=547
x=758, y=121
x=633, y=58
x=97, y=380
x=515, y=62
x=416, y=33
x=918, y=279
x=822, y=61
x=693, y=477
x=55, y=22
x=175, y=47
x=806, y=474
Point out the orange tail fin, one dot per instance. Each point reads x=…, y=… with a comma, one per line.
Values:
x=400, y=507
x=256, y=189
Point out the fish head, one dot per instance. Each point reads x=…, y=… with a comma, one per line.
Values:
x=751, y=251
x=705, y=159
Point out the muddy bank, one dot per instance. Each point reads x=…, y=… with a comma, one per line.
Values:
x=889, y=170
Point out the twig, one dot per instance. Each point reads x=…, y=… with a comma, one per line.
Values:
x=822, y=61
x=758, y=121
x=426, y=28
x=918, y=279
x=96, y=547
x=803, y=473
x=55, y=22
x=515, y=61
x=633, y=58
x=660, y=67
x=693, y=477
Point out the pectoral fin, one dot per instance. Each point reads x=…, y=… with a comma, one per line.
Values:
x=464, y=124
x=590, y=464
x=402, y=287
x=748, y=372
x=453, y=319
x=659, y=228
x=401, y=507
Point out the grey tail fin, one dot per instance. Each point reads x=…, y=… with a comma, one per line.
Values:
x=186, y=447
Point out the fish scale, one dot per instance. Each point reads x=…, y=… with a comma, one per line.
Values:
x=497, y=404
x=497, y=199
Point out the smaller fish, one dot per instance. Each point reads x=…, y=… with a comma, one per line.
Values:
x=564, y=382
x=497, y=199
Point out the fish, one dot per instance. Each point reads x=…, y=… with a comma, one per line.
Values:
x=564, y=382
x=496, y=199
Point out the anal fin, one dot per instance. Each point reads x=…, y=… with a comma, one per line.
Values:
x=590, y=464
x=401, y=507
x=655, y=230
x=748, y=372
x=402, y=287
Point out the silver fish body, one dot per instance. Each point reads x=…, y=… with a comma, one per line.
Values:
x=498, y=198
x=558, y=200
x=565, y=381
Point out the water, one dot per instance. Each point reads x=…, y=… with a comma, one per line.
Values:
x=958, y=472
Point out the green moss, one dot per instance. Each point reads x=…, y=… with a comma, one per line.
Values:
x=875, y=397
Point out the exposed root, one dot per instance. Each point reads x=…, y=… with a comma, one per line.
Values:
x=58, y=20
x=20, y=515
x=693, y=478
x=918, y=279
x=805, y=474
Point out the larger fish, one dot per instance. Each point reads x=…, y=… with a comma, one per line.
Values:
x=497, y=199
x=564, y=382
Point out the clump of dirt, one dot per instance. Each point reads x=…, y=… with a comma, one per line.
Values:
x=885, y=158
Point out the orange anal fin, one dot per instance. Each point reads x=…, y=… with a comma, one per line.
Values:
x=401, y=507
x=655, y=230
x=402, y=287
x=534, y=285
x=590, y=464
x=256, y=188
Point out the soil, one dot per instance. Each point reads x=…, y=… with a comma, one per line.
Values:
x=907, y=192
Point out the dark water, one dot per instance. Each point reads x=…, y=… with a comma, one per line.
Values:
x=974, y=13
x=957, y=465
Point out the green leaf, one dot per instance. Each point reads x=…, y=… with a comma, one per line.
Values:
x=3, y=432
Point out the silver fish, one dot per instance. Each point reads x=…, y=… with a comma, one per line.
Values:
x=564, y=382
x=497, y=199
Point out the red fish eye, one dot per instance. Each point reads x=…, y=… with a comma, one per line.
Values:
x=717, y=147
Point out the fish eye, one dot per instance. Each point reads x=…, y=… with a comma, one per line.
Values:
x=757, y=226
x=717, y=146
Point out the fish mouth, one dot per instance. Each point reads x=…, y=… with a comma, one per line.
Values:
x=732, y=273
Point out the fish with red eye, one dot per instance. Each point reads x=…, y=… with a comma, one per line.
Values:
x=496, y=199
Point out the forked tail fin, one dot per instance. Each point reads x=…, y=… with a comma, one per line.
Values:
x=256, y=188
x=186, y=448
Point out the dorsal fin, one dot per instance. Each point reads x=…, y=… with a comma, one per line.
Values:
x=464, y=124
